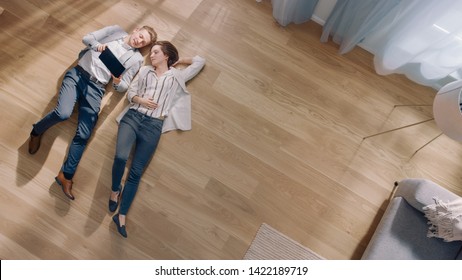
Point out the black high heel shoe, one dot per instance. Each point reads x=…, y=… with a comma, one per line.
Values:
x=121, y=229
x=113, y=204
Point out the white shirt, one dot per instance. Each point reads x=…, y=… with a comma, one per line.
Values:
x=93, y=65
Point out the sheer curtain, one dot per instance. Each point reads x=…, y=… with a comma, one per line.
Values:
x=296, y=11
x=424, y=43
x=421, y=39
x=351, y=21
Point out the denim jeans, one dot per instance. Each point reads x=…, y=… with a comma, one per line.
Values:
x=75, y=87
x=144, y=132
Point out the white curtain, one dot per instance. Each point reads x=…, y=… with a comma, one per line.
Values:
x=423, y=42
x=296, y=11
x=351, y=21
x=421, y=39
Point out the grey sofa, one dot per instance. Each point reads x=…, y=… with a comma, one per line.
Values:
x=402, y=231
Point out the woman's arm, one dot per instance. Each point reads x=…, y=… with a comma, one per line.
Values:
x=196, y=64
x=134, y=94
x=184, y=60
x=133, y=88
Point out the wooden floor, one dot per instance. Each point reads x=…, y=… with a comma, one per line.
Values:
x=278, y=125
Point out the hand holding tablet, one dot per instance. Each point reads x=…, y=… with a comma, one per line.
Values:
x=111, y=62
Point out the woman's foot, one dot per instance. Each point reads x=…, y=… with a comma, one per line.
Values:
x=114, y=200
x=119, y=220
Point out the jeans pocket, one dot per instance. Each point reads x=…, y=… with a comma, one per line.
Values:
x=129, y=116
x=154, y=126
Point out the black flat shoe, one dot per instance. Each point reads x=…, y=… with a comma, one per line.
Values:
x=120, y=229
x=113, y=204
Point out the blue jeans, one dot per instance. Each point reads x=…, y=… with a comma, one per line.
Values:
x=75, y=87
x=144, y=132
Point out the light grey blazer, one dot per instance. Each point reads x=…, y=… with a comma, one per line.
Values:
x=132, y=59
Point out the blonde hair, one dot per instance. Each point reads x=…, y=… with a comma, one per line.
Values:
x=151, y=32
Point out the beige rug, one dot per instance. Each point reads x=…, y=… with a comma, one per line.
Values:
x=270, y=244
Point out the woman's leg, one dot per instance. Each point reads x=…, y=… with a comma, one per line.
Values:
x=126, y=137
x=146, y=143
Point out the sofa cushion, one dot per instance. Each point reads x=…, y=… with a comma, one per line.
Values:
x=402, y=235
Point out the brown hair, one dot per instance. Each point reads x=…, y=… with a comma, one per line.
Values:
x=170, y=50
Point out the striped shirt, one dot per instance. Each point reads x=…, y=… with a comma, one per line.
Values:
x=157, y=88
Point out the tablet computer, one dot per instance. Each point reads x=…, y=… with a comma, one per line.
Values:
x=111, y=62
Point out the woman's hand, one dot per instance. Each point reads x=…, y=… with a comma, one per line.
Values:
x=183, y=60
x=146, y=102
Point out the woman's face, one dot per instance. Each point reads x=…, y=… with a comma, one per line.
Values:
x=157, y=56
